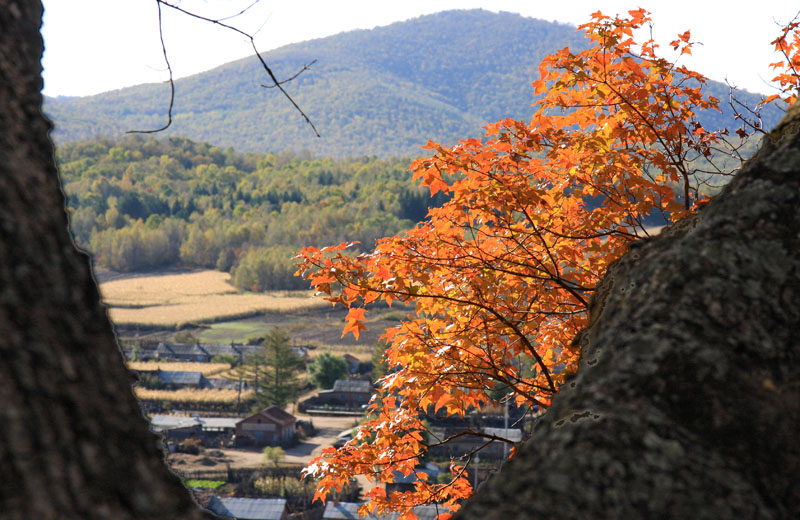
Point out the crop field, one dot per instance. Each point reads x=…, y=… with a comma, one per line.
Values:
x=192, y=395
x=174, y=300
x=207, y=369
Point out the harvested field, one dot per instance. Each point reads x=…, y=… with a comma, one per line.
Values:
x=207, y=369
x=174, y=300
x=193, y=395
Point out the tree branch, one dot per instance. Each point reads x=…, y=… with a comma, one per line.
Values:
x=250, y=37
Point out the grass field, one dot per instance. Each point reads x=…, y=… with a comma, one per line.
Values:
x=174, y=300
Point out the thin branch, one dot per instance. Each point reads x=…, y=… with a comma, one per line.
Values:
x=236, y=30
x=240, y=13
x=171, y=81
x=305, y=68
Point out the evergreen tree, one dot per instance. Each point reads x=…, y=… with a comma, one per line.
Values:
x=273, y=371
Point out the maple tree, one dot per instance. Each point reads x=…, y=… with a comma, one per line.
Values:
x=501, y=277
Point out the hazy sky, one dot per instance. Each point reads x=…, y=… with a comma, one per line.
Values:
x=97, y=45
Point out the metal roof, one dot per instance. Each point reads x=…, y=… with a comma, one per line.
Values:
x=174, y=377
x=512, y=434
x=349, y=511
x=219, y=422
x=277, y=415
x=248, y=508
x=180, y=349
x=171, y=422
x=352, y=385
x=161, y=423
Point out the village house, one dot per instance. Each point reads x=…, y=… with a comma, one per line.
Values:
x=204, y=353
x=183, y=352
x=181, y=379
x=249, y=508
x=210, y=431
x=269, y=427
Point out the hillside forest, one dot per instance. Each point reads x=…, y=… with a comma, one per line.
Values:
x=139, y=204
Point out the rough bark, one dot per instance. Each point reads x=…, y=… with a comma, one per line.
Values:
x=73, y=443
x=686, y=403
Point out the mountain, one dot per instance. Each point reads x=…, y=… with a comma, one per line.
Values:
x=383, y=92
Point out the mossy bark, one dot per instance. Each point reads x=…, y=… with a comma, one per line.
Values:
x=73, y=443
x=686, y=403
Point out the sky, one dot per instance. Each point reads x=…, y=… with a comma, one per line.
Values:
x=93, y=46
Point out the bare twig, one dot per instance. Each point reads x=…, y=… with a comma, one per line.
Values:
x=171, y=82
x=250, y=37
x=305, y=68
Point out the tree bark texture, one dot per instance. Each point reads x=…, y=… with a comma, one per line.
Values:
x=686, y=403
x=73, y=442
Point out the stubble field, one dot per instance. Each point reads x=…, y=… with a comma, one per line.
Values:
x=176, y=300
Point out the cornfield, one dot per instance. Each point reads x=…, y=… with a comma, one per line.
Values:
x=207, y=296
x=207, y=369
x=199, y=396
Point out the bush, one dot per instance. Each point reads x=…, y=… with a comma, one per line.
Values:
x=203, y=484
x=326, y=369
x=190, y=446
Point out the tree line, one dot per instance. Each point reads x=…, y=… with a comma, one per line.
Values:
x=144, y=203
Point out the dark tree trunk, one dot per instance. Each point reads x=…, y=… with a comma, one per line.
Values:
x=687, y=400
x=73, y=443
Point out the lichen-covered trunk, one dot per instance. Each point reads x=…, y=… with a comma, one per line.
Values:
x=687, y=399
x=73, y=443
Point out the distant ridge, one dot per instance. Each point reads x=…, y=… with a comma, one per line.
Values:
x=384, y=91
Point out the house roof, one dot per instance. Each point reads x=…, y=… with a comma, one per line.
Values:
x=275, y=414
x=174, y=377
x=216, y=423
x=162, y=423
x=352, y=385
x=216, y=350
x=349, y=510
x=180, y=349
x=248, y=508
x=171, y=422
x=512, y=434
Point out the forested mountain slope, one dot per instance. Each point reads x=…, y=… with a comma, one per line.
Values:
x=383, y=92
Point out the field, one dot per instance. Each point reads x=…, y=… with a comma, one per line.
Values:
x=207, y=369
x=193, y=395
x=207, y=305
x=175, y=300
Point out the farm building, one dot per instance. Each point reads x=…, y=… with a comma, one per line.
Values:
x=211, y=431
x=349, y=511
x=183, y=352
x=203, y=353
x=269, y=427
x=350, y=394
x=249, y=508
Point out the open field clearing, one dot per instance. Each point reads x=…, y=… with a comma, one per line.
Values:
x=319, y=326
x=164, y=289
x=207, y=369
x=174, y=300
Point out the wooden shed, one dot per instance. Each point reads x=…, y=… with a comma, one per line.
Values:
x=268, y=427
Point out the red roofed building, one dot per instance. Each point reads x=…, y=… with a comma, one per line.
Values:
x=268, y=427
